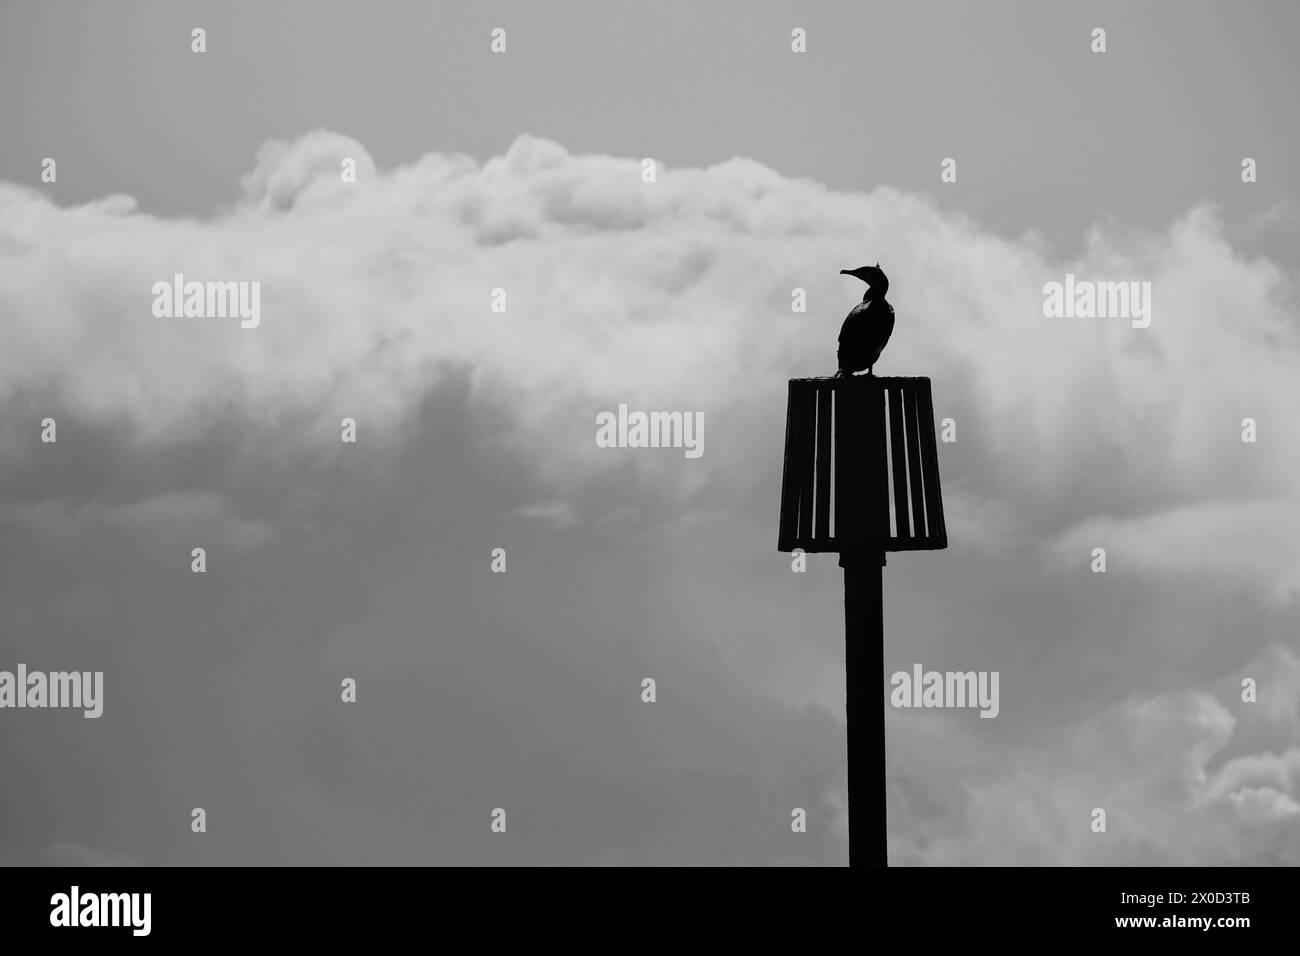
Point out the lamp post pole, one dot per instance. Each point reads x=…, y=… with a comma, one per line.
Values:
x=881, y=427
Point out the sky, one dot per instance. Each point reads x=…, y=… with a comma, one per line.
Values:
x=523, y=171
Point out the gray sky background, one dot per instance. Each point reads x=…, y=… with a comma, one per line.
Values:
x=477, y=429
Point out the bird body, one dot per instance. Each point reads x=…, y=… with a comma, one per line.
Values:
x=869, y=324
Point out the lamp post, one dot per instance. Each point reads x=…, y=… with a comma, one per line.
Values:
x=871, y=441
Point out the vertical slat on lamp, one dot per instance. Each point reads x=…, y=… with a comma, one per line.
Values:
x=896, y=446
x=789, y=529
x=859, y=472
x=849, y=471
x=807, y=437
x=877, y=462
x=823, y=511
x=930, y=453
x=842, y=499
x=914, y=462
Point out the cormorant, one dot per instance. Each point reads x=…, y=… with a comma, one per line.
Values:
x=868, y=326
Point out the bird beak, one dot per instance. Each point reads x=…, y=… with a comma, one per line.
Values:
x=845, y=272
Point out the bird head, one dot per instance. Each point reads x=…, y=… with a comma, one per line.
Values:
x=873, y=276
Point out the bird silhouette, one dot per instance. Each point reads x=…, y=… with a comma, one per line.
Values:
x=868, y=326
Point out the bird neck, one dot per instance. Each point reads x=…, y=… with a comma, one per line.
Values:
x=875, y=293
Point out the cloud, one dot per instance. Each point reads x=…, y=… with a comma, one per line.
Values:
x=376, y=296
x=304, y=168
x=561, y=514
x=74, y=854
x=667, y=295
x=1161, y=767
x=1254, y=545
x=170, y=518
